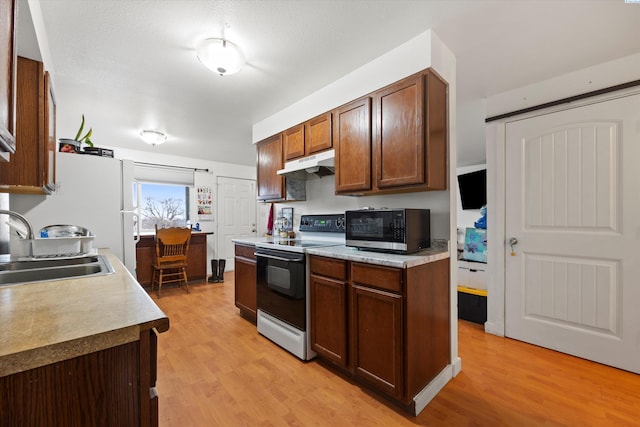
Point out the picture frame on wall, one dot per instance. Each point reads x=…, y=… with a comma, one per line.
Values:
x=287, y=213
x=204, y=203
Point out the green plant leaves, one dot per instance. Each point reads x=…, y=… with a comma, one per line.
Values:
x=77, y=138
x=87, y=137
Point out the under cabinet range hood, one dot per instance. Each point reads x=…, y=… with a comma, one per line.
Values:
x=320, y=164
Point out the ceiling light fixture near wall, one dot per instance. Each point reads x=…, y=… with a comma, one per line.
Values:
x=153, y=137
x=221, y=56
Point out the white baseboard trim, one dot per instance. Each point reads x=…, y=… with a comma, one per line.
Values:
x=457, y=366
x=422, y=399
x=494, y=328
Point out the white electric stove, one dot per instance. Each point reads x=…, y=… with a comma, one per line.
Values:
x=283, y=282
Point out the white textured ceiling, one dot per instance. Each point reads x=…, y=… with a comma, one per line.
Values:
x=129, y=65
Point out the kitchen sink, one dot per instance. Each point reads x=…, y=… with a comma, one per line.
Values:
x=19, y=272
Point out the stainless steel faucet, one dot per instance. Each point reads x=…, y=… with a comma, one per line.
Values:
x=24, y=220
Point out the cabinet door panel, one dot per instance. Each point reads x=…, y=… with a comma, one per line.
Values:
x=399, y=140
x=245, y=286
x=318, y=134
x=270, y=184
x=97, y=389
x=329, y=319
x=32, y=166
x=50, y=134
x=293, y=142
x=7, y=75
x=352, y=135
x=376, y=339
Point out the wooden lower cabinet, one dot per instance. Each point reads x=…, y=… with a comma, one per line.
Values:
x=395, y=333
x=196, y=259
x=376, y=338
x=328, y=302
x=245, y=281
x=111, y=387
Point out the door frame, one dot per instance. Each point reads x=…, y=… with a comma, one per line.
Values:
x=495, y=136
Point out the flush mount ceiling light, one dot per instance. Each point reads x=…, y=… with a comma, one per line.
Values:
x=153, y=137
x=221, y=56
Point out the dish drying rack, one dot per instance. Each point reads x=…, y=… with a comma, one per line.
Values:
x=58, y=242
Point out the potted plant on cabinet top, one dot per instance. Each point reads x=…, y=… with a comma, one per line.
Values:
x=74, y=145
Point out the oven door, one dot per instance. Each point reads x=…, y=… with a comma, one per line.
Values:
x=281, y=286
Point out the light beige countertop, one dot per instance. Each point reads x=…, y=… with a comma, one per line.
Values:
x=438, y=251
x=46, y=322
x=253, y=240
x=382, y=258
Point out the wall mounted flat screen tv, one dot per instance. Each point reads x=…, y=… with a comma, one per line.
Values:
x=473, y=189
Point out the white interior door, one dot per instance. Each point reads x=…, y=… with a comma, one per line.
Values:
x=236, y=213
x=573, y=204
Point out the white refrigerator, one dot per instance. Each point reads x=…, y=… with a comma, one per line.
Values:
x=93, y=192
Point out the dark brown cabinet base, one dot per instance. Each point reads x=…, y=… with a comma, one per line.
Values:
x=245, y=281
x=111, y=387
x=388, y=328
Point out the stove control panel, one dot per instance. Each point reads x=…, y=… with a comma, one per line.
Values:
x=329, y=223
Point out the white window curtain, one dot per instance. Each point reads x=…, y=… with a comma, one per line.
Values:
x=145, y=172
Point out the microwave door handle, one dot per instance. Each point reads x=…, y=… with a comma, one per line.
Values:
x=278, y=258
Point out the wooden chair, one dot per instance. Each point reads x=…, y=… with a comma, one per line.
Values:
x=170, y=264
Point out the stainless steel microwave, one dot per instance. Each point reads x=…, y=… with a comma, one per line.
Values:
x=388, y=230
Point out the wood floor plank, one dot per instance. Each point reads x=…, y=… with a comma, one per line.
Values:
x=214, y=369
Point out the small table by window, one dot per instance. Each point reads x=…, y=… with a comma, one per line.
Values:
x=197, y=258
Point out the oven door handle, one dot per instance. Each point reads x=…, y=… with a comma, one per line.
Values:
x=278, y=258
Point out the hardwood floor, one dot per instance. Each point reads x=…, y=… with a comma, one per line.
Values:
x=214, y=369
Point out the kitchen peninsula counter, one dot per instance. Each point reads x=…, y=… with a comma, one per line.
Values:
x=48, y=322
x=382, y=258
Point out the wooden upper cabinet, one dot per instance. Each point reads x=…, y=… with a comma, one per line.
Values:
x=31, y=169
x=7, y=75
x=410, y=143
x=352, y=135
x=293, y=139
x=436, y=138
x=391, y=141
x=270, y=160
x=318, y=134
x=308, y=138
x=399, y=153
x=409, y=148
